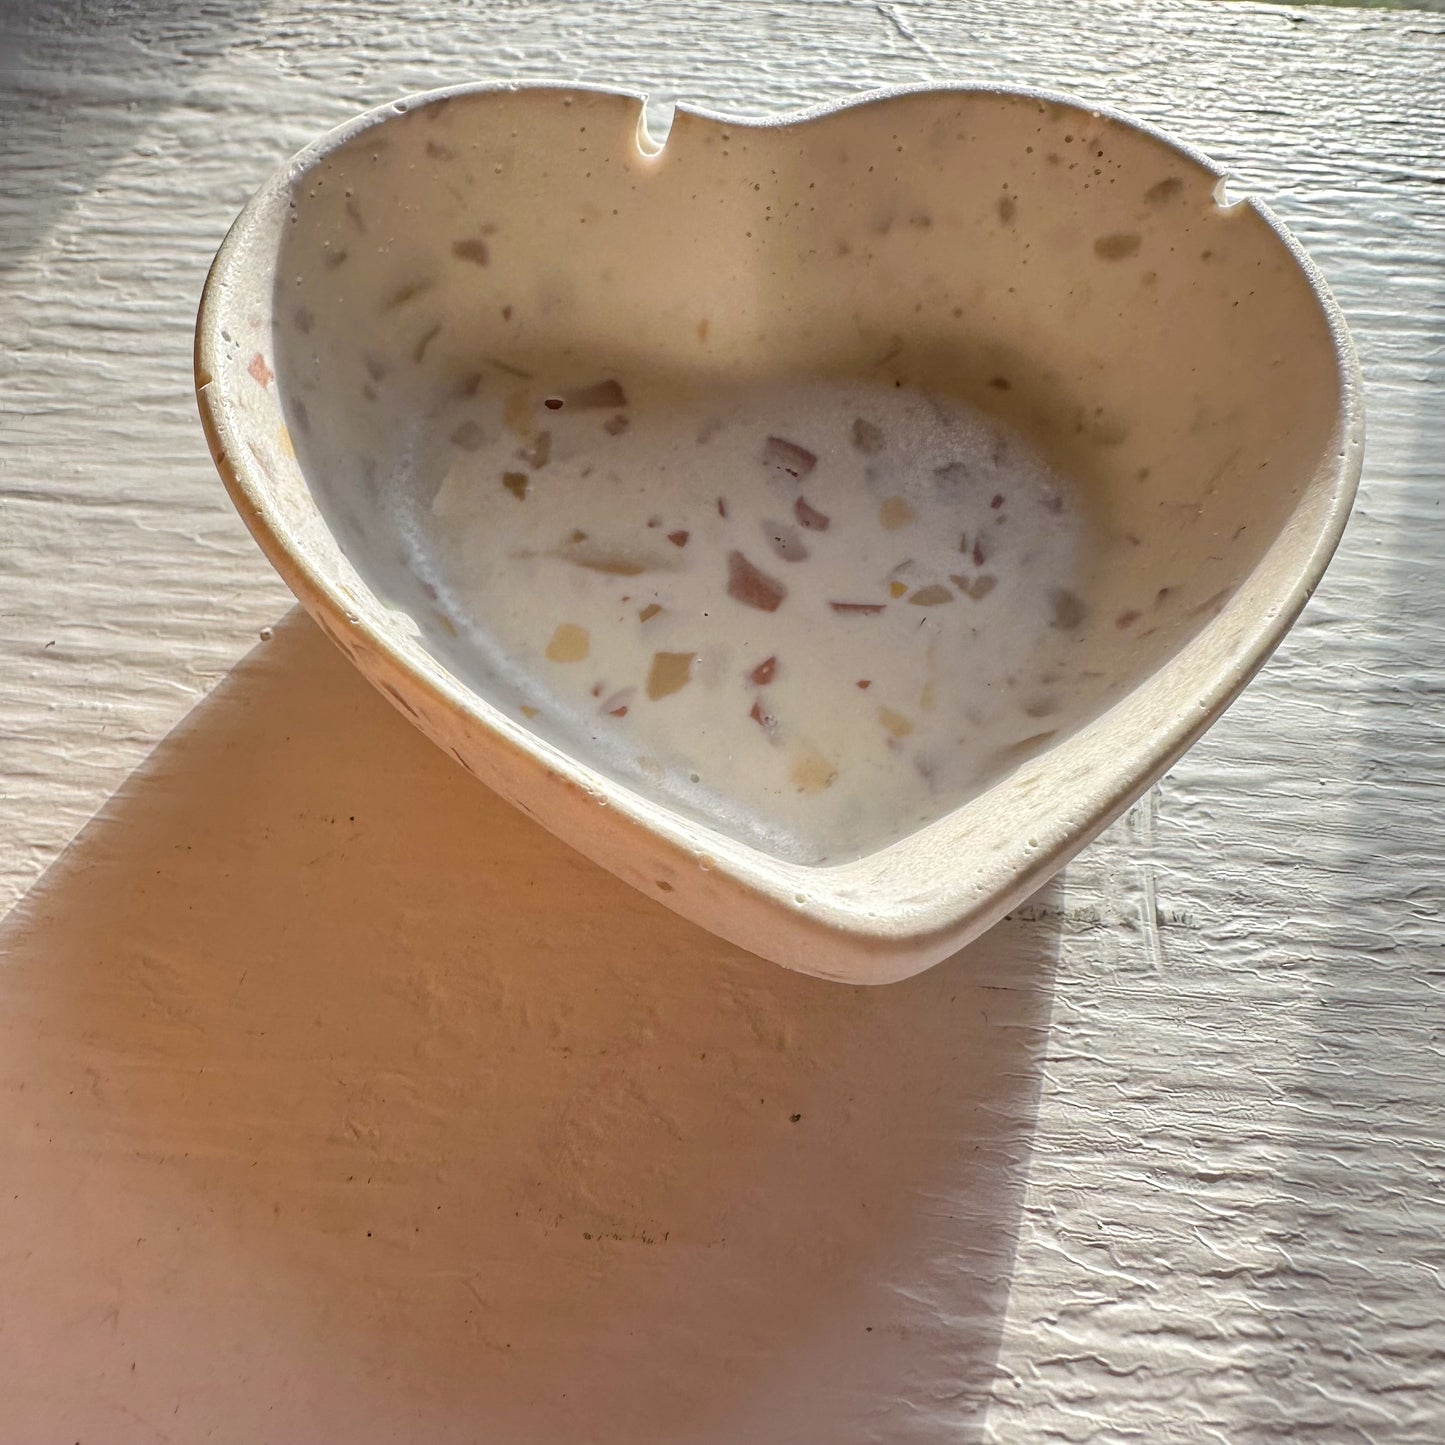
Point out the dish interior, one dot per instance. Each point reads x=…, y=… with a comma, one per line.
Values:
x=807, y=480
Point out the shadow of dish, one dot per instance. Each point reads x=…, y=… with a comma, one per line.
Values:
x=346, y=1100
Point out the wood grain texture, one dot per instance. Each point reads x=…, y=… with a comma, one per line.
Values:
x=341, y=1103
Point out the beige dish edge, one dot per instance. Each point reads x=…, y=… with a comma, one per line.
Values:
x=877, y=919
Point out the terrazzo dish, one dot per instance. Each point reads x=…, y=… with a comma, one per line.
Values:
x=827, y=524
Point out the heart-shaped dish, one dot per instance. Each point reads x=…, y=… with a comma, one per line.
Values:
x=826, y=524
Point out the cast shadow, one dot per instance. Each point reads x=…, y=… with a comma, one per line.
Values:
x=504, y=1149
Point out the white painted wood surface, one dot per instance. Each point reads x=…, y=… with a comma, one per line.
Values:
x=342, y=1103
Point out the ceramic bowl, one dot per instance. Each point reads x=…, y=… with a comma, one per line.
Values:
x=964, y=451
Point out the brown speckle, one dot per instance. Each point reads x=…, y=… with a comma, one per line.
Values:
x=406, y=293
x=570, y=643
x=1067, y=608
x=614, y=426
x=765, y=671
x=468, y=436
x=304, y=320
x=473, y=249
x=260, y=372
x=1007, y=208
x=996, y=501
x=897, y=589
x=553, y=403
x=810, y=517
x=1127, y=618
x=670, y=673
x=1000, y=383
x=784, y=539
x=664, y=885
x=679, y=538
x=1117, y=246
x=934, y=595
x=425, y=340
x=332, y=259
x=438, y=152
x=1164, y=190
x=785, y=456
x=702, y=330
x=895, y=513
x=649, y=612
x=516, y=484
x=762, y=716
x=354, y=212
x=863, y=684
x=610, y=564
x=601, y=395
x=751, y=587
x=981, y=586
x=867, y=437
x=861, y=609
x=722, y=507
x=812, y=772
x=895, y=722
